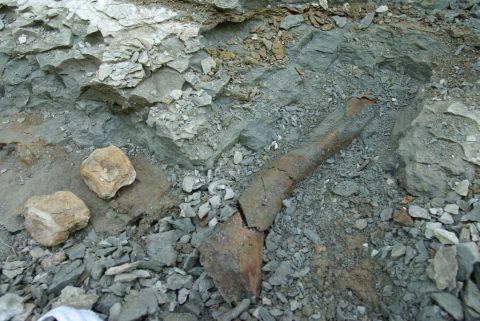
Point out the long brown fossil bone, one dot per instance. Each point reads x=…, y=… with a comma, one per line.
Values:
x=232, y=253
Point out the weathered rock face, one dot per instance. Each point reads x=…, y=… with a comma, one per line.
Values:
x=430, y=152
x=107, y=170
x=49, y=219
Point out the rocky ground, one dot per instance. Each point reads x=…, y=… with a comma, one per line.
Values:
x=200, y=96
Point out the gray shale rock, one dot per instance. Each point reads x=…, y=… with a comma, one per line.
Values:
x=418, y=212
x=449, y=303
x=467, y=255
x=425, y=151
x=462, y=187
x=471, y=300
x=11, y=305
x=291, y=21
x=473, y=215
x=138, y=305
x=346, y=188
x=443, y=269
x=340, y=21
x=76, y=298
x=256, y=135
x=177, y=281
x=67, y=274
x=180, y=317
x=161, y=247
x=12, y=269
x=235, y=312
x=280, y=276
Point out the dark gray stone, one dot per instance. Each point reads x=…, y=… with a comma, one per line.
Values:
x=340, y=21
x=430, y=313
x=138, y=305
x=449, y=303
x=183, y=224
x=473, y=215
x=366, y=21
x=76, y=252
x=471, y=300
x=386, y=214
x=467, y=256
x=291, y=21
x=67, y=274
x=177, y=281
x=476, y=273
x=180, y=317
x=39, y=296
x=105, y=302
x=433, y=4
x=280, y=276
x=346, y=188
x=256, y=135
x=235, y=312
x=161, y=247
x=312, y=236
x=264, y=315
x=317, y=50
x=105, y=251
x=414, y=66
x=191, y=260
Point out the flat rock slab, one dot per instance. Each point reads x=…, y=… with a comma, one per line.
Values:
x=161, y=247
x=67, y=274
x=450, y=304
x=471, y=301
x=291, y=21
x=443, y=269
x=426, y=166
x=146, y=195
x=232, y=256
x=11, y=305
x=138, y=305
x=76, y=298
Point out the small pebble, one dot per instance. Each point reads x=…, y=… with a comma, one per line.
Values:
x=213, y=222
x=452, y=209
x=229, y=194
x=237, y=157
x=446, y=219
x=361, y=224
x=461, y=188
x=418, y=212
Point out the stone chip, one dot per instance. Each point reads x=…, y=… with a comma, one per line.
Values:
x=443, y=269
x=449, y=303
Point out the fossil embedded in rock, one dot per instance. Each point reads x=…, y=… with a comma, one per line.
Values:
x=107, y=170
x=49, y=219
